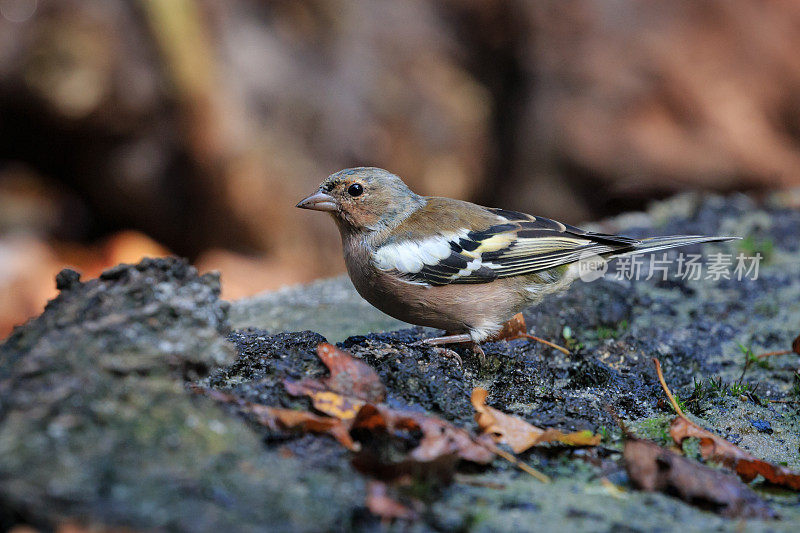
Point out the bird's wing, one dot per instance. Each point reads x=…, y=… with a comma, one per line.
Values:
x=506, y=244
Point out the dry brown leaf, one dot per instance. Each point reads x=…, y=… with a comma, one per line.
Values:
x=325, y=401
x=653, y=468
x=517, y=433
x=278, y=419
x=513, y=329
x=796, y=345
x=439, y=438
x=349, y=376
x=352, y=383
x=717, y=449
x=434, y=447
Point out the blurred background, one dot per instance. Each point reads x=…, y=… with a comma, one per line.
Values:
x=146, y=127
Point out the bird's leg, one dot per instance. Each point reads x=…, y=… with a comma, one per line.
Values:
x=448, y=339
x=461, y=338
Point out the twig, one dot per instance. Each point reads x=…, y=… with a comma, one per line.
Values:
x=666, y=389
x=771, y=354
x=521, y=465
x=548, y=343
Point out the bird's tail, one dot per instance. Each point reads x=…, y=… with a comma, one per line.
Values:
x=654, y=244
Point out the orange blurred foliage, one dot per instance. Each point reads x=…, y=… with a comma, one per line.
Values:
x=28, y=266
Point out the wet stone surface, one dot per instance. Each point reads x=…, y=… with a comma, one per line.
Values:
x=78, y=387
x=97, y=426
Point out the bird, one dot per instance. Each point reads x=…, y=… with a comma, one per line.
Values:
x=454, y=265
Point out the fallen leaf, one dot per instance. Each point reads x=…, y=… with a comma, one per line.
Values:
x=349, y=376
x=513, y=329
x=392, y=444
x=517, y=433
x=715, y=448
x=439, y=437
x=325, y=401
x=279, y=419
x=398, y=443
x=653, y=468
x=352, y=383
x=796, y=345
x=381, y=504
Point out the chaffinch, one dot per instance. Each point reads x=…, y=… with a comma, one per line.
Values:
x=455, y=265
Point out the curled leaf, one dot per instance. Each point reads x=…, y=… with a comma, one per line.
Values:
x=325, y=401
x=717, y=449
x=351, y=384
x=517, y=433
x=349, y=376
x=438, y=437
x=278, y=419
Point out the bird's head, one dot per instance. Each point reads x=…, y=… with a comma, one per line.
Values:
x=364, y=199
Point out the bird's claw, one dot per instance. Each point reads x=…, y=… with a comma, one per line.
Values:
x=446, y=352
x=477, y=350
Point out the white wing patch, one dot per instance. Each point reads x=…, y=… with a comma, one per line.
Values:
x=471, y=267
x=410, y=257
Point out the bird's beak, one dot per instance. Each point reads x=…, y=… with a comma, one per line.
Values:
x=319, y=201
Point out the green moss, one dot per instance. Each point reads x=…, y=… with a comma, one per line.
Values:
x=655, y=429
x=691, y=448
x=606, y=332
x=709, y=389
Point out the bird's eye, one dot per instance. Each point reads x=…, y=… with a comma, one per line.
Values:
x=355, y=189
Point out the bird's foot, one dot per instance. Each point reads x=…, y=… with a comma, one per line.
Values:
x=447, y=352
x=478, y=351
